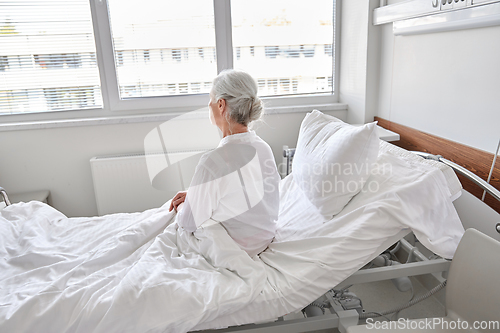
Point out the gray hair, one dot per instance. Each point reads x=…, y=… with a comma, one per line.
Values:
x=239, y=90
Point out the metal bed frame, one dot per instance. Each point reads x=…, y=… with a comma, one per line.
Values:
x=418, y=264
x=5, y=196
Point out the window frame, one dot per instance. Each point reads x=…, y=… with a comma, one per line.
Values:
x=114, y=107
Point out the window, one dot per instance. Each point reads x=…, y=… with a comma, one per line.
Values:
x=196, y=87
x=16, y=100
x=73, y=60
x=47, y=58
x=147, y=55
x=290, y=32
x=4, y=63
x=183, y=88
x=272, y=51
x=285, y=85
x=159, y=24
x=308, y=50
x=176, y=55
x=328, y=49
x=292, y=51
x=51, y=61
x=272, y=85
x=171, y=88
x=295, y=85
x=119, y=58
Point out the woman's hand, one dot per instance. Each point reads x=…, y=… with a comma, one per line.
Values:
x=177, y=200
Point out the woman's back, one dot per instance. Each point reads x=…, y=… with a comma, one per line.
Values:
x=236, y=185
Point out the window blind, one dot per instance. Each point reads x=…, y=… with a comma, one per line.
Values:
x=285, y=44
x=163, y=47
x=47, y=56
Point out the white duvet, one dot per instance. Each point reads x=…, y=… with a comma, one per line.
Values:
x=117, y=273
x=140, y=273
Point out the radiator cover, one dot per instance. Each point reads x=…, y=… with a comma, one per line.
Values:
x=136, y=182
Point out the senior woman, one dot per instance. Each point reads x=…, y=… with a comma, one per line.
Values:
x=236, y=184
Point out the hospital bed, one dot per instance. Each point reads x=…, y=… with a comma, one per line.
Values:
x=312, y=254
x=478, y=245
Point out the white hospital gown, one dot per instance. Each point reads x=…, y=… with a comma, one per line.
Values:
x=237, y=185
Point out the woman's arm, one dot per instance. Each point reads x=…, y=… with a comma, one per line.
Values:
x=199, y=202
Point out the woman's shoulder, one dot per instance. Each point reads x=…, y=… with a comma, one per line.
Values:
x=229, y=154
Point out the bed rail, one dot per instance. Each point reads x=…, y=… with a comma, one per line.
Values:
x=5, y=196
x=463, y=171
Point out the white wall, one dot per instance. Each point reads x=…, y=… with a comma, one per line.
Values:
x=57, y=159
x=353, y=58
x=446, y=84
x=359, y=60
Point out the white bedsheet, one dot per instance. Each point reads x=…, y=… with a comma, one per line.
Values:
x=139, y=273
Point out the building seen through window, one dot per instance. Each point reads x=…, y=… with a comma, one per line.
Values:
x=47, y=57
x=285, y=46
x=161, y=48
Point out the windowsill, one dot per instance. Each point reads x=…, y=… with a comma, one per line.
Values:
x=44, y=124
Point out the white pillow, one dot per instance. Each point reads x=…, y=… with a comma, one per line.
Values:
x=333, y=160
